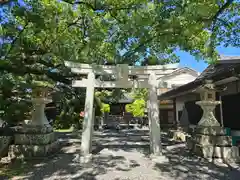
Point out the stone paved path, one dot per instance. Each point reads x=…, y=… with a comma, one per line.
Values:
x=124, y=156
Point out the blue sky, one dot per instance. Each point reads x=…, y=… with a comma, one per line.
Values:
x=189, y=61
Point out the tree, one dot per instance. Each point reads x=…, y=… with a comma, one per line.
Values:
x=140, y=93
x=38, y=36
x=137, y=108
x=117, y=31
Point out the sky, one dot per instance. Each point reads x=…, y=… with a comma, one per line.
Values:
x=186, y=60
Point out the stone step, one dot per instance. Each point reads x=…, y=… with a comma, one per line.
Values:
x=214, y=130
x=32, y=129
x=34, y=139
x=213, y=140
x=208, y=151
x=33, y=151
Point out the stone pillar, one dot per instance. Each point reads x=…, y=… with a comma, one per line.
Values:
x=88, y=118
x=153, y=115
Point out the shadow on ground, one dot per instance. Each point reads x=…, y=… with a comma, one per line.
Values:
x=121, y=155
x=184, y=165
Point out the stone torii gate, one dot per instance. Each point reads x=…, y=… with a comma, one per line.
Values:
x=122, y=73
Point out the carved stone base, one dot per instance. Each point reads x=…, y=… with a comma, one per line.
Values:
x=226, y=153
x=213, y=140
x=33, y=129
x=33, y=151
x=34, y=139
x=214, y=130
x=32, y=142
x=212, y=143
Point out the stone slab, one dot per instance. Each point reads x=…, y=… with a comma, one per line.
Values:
x=34, y=139
x=213, y=140
x=33, y=151
x=32, y=129
x=226, y=153
x=178, y=135
x=214, y=130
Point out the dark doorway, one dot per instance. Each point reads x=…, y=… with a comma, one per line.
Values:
x=194, y=112
x=165, y=117
x=231, y=111
x=179, y=115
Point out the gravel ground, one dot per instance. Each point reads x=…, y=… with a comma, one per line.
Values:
x=124, y=156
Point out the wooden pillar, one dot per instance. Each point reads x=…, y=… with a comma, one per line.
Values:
x=221, y=111
x=175, y=112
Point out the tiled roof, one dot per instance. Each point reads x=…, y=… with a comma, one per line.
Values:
x=214, y=72
x=229, y=58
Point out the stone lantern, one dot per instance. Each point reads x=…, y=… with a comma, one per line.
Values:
x=39, y=99
x=35, y=139
x=208, y=103
x=209, y=139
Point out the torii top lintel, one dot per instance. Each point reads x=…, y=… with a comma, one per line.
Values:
x=123, y=69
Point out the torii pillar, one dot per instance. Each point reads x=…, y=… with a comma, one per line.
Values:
x=88, y=122
x=153, y=116
x=154, y=122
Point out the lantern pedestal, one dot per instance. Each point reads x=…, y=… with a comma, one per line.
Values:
x=209, y=139
x=38, y=115
x=35, y=139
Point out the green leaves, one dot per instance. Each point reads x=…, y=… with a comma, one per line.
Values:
x=105, y=108
x=137, y=108
x=41, y=35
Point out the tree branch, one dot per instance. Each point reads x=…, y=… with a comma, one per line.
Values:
x=94, y=8
x=132, y=52
x=214, y=26
x=14, y=69
x=222, y=9
x=15, y=40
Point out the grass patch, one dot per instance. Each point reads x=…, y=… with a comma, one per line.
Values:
x=64, y=130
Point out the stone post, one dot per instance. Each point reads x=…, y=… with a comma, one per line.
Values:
x=153, y=115
x=88, y=118
x=38, y=115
